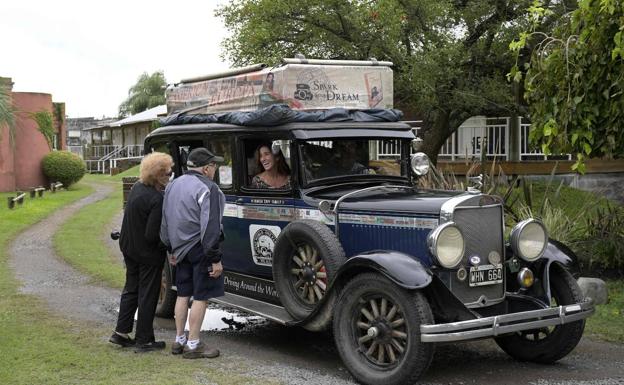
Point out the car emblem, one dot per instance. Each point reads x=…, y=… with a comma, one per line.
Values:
x=494, y=258
x=475, y=260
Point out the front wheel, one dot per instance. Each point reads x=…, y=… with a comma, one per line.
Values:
x=547, y=345
x=377, y=331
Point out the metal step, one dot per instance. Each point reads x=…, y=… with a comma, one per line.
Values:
x=269, y=311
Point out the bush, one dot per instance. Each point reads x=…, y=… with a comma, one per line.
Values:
x=64, y=167
x=603, y=245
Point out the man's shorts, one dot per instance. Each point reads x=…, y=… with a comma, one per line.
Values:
x=193, y=279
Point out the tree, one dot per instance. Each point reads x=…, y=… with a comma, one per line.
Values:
x=450, y=57
x=575, y=81
x=148, y=92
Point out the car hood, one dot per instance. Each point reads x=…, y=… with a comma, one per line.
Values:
x=407, y=201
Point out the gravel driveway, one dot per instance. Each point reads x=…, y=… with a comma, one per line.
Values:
x=264, y=350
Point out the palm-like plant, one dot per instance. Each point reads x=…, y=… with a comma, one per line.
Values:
x=148, y=92
x=7, y=112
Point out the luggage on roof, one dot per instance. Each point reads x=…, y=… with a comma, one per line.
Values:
x=299, y=83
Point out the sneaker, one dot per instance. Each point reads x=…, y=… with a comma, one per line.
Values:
x=201, y=351
x=150, y=346
x=122, y=341
x=177, y=348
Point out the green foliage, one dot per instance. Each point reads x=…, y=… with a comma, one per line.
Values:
x=603, y=243
x=45, y=125
x=7, y=112
x=64, y=167
x=148, y=92
x=575, y=81
x=450, y=57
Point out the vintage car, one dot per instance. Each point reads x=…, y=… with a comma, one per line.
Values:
x=353, y=245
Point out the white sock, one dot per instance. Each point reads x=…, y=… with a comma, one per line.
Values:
x=192, y=344
x=124, y=335
x=181, y=339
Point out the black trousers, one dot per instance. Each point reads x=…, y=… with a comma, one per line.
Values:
x=141, y=291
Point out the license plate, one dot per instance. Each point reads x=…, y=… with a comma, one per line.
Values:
x=486, y=275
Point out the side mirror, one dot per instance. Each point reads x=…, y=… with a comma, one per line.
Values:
x=417, y=144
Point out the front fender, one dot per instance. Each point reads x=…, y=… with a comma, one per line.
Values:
x=556, y=255
x=558, y=252
x=403, y=269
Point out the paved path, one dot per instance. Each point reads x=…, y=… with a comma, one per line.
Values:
x=264, y=350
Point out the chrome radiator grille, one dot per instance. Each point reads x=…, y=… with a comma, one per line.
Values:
x=483, y=232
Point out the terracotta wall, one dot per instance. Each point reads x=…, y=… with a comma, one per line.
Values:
x=20, y=162
x=30, y=145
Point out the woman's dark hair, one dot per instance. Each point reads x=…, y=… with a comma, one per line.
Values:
x=280, y=162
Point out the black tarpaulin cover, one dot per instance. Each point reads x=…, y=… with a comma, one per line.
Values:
x=277, y=114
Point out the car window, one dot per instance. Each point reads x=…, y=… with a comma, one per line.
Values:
x=222, y=146
x=268, y=164
x=345, y=157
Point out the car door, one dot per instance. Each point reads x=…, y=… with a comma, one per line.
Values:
x=262, y=212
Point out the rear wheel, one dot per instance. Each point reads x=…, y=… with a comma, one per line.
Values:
x=547, y=345
x=377, y=331
x=167, y=296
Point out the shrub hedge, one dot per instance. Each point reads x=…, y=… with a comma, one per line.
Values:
x=64, y=167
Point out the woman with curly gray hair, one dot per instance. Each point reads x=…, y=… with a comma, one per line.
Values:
x=144, y=254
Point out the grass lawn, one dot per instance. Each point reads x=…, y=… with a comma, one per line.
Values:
x=41, y=348
x=608, y=321
x=79, y=241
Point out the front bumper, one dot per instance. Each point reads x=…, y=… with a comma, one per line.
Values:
x=506, y=323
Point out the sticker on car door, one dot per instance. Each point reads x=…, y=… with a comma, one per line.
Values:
x=262, y=239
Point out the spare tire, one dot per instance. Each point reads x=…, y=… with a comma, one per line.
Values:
x=167, y=296
x=306, y=258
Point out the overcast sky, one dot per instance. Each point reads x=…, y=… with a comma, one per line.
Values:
x=89, y=53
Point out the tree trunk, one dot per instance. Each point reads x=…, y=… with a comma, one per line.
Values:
x=434, y=135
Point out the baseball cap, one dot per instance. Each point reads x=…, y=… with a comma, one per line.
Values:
x=201, y=156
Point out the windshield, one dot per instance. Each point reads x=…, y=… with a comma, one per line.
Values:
x=352, y=158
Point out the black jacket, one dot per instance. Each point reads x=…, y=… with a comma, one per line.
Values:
x=140, y=228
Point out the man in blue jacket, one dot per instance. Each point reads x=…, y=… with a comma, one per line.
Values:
x=191, y=228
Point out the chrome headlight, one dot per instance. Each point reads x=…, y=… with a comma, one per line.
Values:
x=529, y=239
x=446, y=243
x=420, y=163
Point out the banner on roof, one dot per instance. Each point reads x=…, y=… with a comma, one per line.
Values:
x=301, y=86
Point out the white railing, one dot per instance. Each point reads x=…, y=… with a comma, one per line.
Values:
x=99, y=151
x=472, y=137
x=389, y=148
x=528, y=152
x=109, y=161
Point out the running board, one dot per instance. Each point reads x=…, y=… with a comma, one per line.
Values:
x=269, y=311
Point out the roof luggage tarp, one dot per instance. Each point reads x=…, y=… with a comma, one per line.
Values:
x=278, y=114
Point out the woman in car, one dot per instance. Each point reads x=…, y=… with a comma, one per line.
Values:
x=275, y=172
